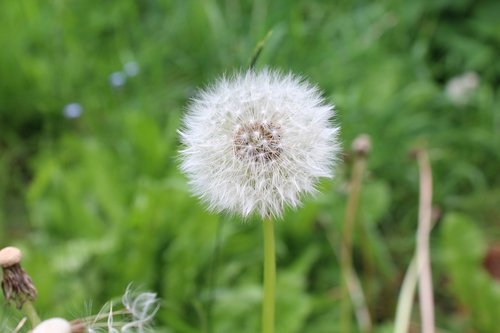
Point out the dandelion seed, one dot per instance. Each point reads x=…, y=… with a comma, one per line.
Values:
x=256, y=142
x=135, y=314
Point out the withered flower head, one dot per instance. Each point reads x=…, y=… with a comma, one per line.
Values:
x=17, y=286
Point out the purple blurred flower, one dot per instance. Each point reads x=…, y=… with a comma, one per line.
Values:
x=73, y=111
x=117, y=79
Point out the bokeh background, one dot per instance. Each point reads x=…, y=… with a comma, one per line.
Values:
x=91, y=95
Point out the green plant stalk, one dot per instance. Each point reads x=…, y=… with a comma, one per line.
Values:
x=405, y=299
x=354, y=285
x=268, y=303
x=31, y=313
x=346, y=249
x=213, y=276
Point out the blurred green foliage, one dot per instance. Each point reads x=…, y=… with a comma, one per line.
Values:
x=478, y=292
x=97, y=201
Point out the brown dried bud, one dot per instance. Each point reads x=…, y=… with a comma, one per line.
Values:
x=16, y=284
x=10, y=256
x=362, y=145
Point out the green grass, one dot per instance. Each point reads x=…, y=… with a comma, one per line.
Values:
x=98, y=202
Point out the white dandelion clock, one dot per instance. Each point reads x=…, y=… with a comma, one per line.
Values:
x=257, y=142
x=53, y=325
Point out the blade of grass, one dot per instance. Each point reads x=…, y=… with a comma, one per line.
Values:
x=258, y=50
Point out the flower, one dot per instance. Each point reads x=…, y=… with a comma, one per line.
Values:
x=256, y=142
x=17, y=285
x=131, y=68
x=72, y=110
x=459, y=89
x=117, y=79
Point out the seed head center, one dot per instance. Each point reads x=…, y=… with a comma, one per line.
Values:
x=257, y=141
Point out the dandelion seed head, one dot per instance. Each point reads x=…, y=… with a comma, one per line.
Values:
x=53, y=325
x=256, y=142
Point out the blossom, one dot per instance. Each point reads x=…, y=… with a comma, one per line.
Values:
x=459, y=89
x=131, y=68
x=117, y=79
x=72, y=110
x=255, y=142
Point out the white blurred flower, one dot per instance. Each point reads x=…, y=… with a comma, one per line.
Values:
x=117, y=79
x=131, y=68
x=459, y=88
x=53, y=325
x=256, y=141
x=73, y=110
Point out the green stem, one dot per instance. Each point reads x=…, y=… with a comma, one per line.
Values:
x=269, y=277
x=405, y=299
x=31, y=313
x=213, y=275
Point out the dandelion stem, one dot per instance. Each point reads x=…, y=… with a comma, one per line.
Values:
x=212, y=280
x=405, y=299
x=31, y=313
x=361, y=147
x=424, y=229
x=269, y=277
